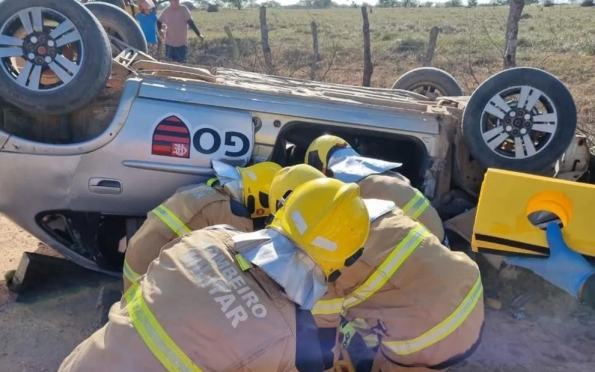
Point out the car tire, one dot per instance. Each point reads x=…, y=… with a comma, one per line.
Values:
x=528, y=139
x=68, y=61
x=429, y=81
x=113, y=2
x=118, y=24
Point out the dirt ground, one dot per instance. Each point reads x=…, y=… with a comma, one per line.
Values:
x=530, y=325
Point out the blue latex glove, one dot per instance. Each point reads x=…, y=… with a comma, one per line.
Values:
x=564, y=268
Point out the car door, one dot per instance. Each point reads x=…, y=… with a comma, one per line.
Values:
x=163, y=145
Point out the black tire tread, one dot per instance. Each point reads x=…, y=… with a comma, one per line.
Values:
x=113, y=2
x=118, y=19
x=433, y=77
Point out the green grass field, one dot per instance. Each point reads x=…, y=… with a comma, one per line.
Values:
x=559, y=39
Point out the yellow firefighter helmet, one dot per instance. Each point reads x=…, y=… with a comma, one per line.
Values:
x=287, y=179
x=321, y=149
x=256, y=182
x=327, y=219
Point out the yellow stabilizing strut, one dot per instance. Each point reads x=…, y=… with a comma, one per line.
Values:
x=508, y=199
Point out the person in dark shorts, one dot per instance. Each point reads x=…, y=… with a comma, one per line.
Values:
x=177, y=18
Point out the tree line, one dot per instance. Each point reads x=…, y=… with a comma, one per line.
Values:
x=214, y=5
x=469, y=3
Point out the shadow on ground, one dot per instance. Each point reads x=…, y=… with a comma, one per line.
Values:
x=40, y=326
x=530, y=325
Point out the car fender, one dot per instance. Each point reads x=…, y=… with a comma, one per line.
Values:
x=575, y=161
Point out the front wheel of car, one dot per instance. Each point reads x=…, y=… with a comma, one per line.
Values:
x=521, y=119
x=54, y=55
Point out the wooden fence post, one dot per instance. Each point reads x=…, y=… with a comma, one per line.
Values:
x=314, y=28
x=429, y=57
x=264, y=35
x=235, y=53
x=316, y=55
x=512, y=32
x=368, y=67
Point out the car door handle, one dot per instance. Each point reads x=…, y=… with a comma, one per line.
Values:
x=109, y=186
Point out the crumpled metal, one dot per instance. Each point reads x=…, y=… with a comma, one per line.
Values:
x=301, y=278
x=348, y=166
x=230, y=178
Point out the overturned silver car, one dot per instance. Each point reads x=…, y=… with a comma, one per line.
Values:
x=89, y=143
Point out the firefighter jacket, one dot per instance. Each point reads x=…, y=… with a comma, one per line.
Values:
x=201, y=307
x=416, y=300
x=377, y=180
x=396, y=188
x=190, y=208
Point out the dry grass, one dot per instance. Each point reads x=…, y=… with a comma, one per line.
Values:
x=559, y=39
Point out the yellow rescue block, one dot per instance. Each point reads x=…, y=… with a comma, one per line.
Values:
x=508, y=199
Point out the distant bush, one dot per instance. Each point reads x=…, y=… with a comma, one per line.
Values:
x=453, y=3
x=410, y=45
x=523, y=42
x=189, y=5
x=212, y=8
x=588, y=3
x=548, y=3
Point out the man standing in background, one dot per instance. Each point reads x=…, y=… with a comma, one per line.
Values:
x=177, y=18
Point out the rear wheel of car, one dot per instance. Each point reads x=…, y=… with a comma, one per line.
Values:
x=54, y=54
x=430, y=82
x=522, y=119
x=120, y=27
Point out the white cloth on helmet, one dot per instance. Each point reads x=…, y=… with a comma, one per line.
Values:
x=301, y=278
x=230, y=179
x=348, y=166
x=378, y=208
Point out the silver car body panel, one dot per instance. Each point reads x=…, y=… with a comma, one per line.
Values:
x=303, y=107
x=415, y=122
x=3, y=138
x=23, y=146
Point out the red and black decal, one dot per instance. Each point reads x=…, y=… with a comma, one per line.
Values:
x=171, y=138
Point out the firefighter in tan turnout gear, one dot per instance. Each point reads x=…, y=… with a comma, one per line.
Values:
x=417, y=305
x=218, y=300
x=336, y=158
x=234, y=197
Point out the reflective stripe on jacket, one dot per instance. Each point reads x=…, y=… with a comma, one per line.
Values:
x=197, y=310
x=423, y=301
x=397, y=188
x=377, y=279
x=190, y=208
x=155, y=337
